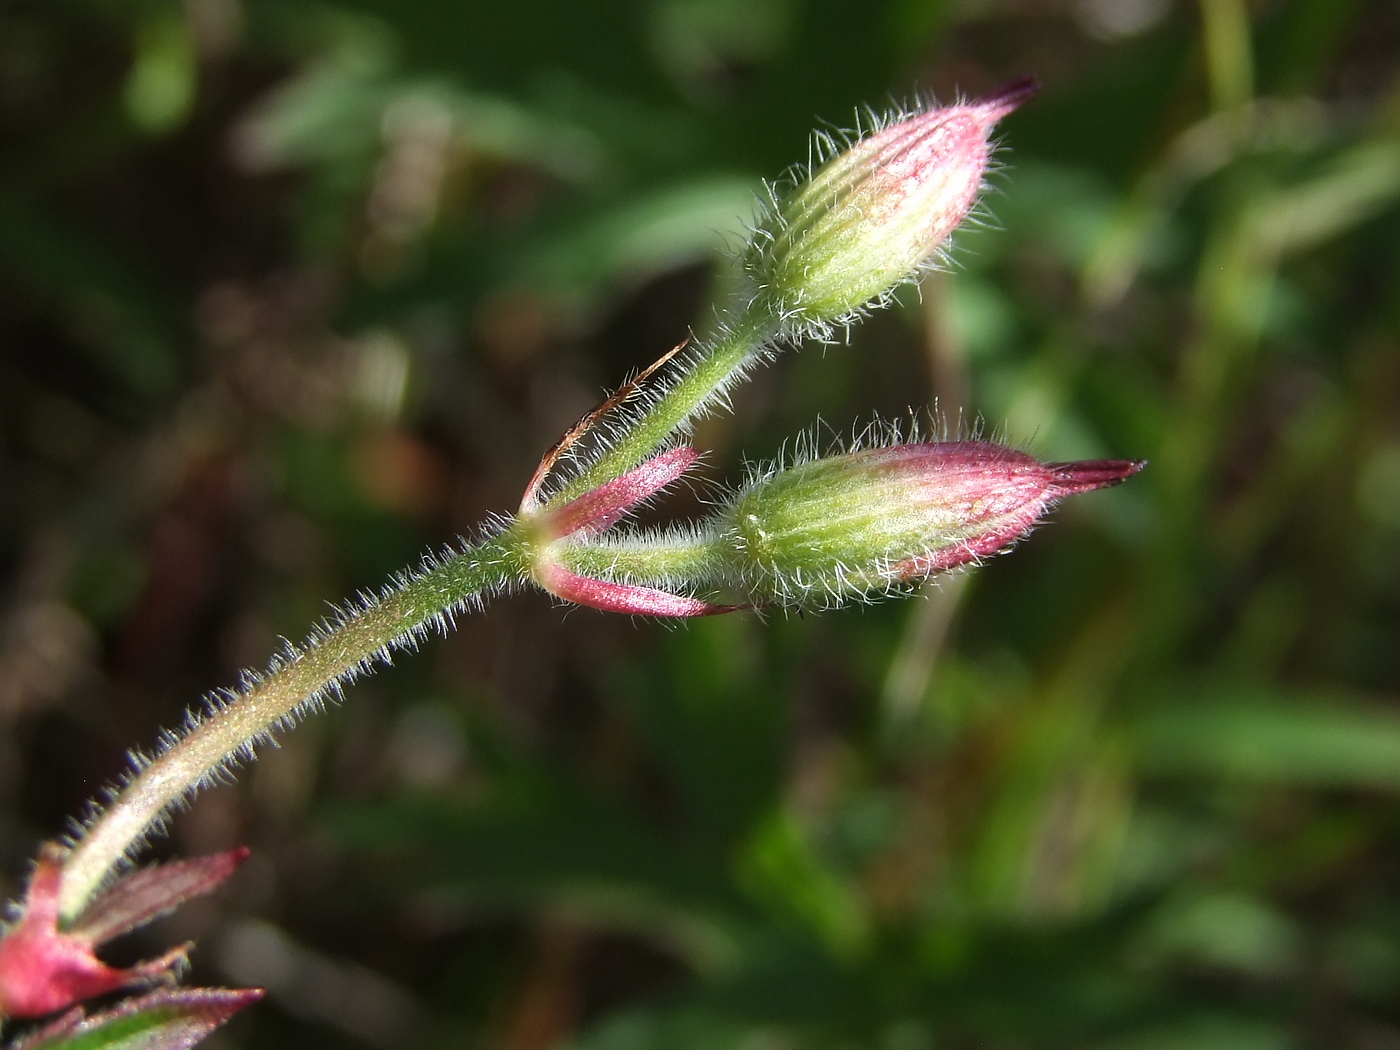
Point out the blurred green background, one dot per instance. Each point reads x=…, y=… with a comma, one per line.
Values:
x=290, y=292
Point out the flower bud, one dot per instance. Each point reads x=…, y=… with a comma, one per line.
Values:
x=865, y=522
x=874, y=215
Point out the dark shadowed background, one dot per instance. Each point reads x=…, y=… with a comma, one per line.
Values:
x=290, y=292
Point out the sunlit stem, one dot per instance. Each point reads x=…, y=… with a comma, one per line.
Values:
x=702, y=378
x=327, y=659
x=699, y=560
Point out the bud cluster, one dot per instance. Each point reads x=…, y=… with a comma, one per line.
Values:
x=843, y=527
x=828, y=531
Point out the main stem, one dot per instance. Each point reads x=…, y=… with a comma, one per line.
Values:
x=326, y=659
x=332, y=657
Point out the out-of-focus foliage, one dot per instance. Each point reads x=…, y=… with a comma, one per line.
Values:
x=291, y=291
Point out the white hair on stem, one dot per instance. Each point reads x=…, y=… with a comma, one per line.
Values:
x=355, y=639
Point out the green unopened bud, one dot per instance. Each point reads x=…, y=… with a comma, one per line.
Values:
x=866, y=522
x=877, y=214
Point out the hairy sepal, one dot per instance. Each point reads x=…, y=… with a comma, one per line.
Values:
x=867, y=523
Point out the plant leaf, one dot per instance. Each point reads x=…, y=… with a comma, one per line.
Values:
x=146, y=894
x=168, y=1019
x=1275, y=737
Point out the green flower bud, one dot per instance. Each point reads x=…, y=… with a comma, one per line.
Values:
x=876, y=214
x=864, y=523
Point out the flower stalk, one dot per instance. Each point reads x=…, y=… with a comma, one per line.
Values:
x=232, y=725
x=853, y=526
x=822, y=532
x=872, y=218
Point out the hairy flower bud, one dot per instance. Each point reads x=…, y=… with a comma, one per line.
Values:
x=874, y=215
x=862, y=523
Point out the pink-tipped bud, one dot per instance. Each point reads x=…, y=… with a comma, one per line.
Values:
x=861, y=523
x=876, y=214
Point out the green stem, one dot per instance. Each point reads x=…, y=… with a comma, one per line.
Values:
x=696, y=561
x=328, y=659
x=705, y=377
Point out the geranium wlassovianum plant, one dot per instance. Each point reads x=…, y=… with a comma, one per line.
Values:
x=816, y=532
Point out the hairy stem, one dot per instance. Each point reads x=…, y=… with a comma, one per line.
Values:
x=698, y=560
x=327, y=660
x=330, y=658
x=703, y=378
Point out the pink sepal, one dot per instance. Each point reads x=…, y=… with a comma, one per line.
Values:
x=603, y=507
x=1010, y=96
x=625, y=598
x=178, y=1019
x=44, y=969
x=148, y=893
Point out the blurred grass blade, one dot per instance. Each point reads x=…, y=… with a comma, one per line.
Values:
x=96, y=295
x=673, y=227
x=1359, y=184
x=782, y=866
x=564, y=850
x=1272, y=737
x=164, y=78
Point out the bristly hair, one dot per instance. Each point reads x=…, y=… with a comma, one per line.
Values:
x=228, y=726
x=628, y=556
x=614, y=425
x=820, y=441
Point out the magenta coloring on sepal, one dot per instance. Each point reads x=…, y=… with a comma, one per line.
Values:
x=597, y=511
x=1011, y=483
x=44, y=969
x=622, y=597
x=859, y=523
x=603, y=507
x=1006, y=99
x=1090, y=474
x=165, y=1019
x=879, y=212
